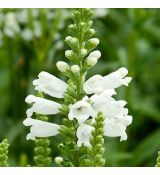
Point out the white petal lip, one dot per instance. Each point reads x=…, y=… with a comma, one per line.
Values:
x=40, y=128
x=117, y=127
x=83, y=134
x=98, y=84
x=93, y=85
x=41, y=106
x=50, y=85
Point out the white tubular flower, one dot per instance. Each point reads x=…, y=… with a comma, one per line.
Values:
x=107, y=105
x=84, y=134
x=75, y=69
x=94, y=85
x=40, y=128
x=41, y=106
x=50, y=85
x=117, y=127
x=98, y=84
x=81, y=110
x=62, y=66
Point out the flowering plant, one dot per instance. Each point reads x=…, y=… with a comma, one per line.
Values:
x=89, y=110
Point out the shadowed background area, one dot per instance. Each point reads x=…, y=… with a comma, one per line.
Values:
x=32, y=40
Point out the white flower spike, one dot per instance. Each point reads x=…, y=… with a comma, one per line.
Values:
x=84, y=134
x=50, y=85
x=81, y=110
x=98, y=84
x=40, y=128
x=41, y=106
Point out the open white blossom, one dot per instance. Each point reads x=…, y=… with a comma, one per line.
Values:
x=50, y=85
x=116, y=127
x=81, y=110
x=84, y=134
x=41, y=106
x=40, y=128
x=107, y=105
x=98, y=84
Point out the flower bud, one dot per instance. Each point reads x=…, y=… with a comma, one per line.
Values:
x=68, y=38
x=72, y=42
x=83, y=52
x=62, y=66
x=96, y=54
x=72, y=27
x=68, y=53
x=58, y=160
x=71, y=55
x=89, y=33
x=91, y=61
x=75, y=68
x=92, y=43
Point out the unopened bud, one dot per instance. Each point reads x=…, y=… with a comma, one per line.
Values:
x=68, y=53
x=62, y=66
x=72, y=42
x=68, y=38
x=83, y=52
x=91, y=61
x=96, y=54
x=75, y=68
x=58, y=160
x=92, y=43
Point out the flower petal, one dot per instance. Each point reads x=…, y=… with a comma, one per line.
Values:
x=40, y=128
x=50, y=85
x=81, y=110
x=84, y=134
x=41, y=106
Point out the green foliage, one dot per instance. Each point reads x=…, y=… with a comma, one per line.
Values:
x=4, y=153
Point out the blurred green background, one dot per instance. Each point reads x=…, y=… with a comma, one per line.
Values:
x=31, y=40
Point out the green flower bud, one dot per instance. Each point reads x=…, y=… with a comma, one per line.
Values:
x=91, y=44
x=62, y=66
x=75, y=69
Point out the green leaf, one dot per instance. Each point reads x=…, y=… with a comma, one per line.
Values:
x=146, y=148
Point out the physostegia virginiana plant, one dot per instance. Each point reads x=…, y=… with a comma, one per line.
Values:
x=88, y=109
